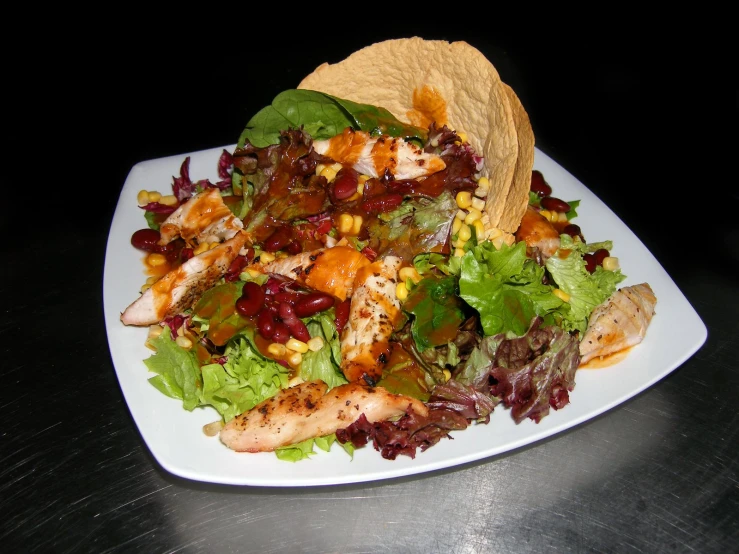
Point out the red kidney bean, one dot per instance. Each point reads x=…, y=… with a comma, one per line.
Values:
x=287, y=296
x=554, y=204
x=234, y=270
x=345, y=184
x=281, y=333
x=294, y=248
x=312, y=303
x=381, y=204
x=539, y=185
x=279, y=239
x=589, y=260
x=251, y=299
x=266, y=324
x=186, y=254
x=572, y=230
x=600, y=255
x=297, y=327
x=342, y=315
x=146, y=239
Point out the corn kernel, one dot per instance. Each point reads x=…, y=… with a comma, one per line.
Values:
x=320, y=168
x=447, y=374
x=499, y=241
x=329, y=173
x=346, y=222
x=481, y=192
x=154, y=196
x=464, y=199
x=462, y=136
x=315, y=344
x=266, y=257
x=142, y=197
x=144, y=288
x=472, y=216
x=169, y=200
x=459, y=252
x=363, y=179
x=610, y=263
x=253, y=273
x=295, y=359
x=184, y=342
x=459, y=243
x=214, y=245
x=562, y=217
x=150, y=346
x=281, y=254
x=155, y=331
x=562, y=295
x=494, y=234
x=456, y=225
x=484, y=182
x=357, y=224
x=401, y=291
x=360, y=188
x=465, y=233
x=156, y=259
x=461, y=214
x=151, y=280
x=478, y=203
x=200, y=248
x=296, y=345
x=409, y=272
x=276, y=349
x=545, y=214
x=479, y=229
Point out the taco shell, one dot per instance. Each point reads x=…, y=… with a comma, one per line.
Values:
x=453, y=84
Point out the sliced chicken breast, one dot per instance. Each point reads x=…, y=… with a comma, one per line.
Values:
x=329, y=270
x=306, y=411
x=373, y=314
x=537, y=231
x=203, y=218
x=180, y=288
x=374, y=155
x=618, y=323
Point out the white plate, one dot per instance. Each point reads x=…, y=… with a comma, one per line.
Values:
x=175, y=436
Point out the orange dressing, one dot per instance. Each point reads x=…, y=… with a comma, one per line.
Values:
x=600, y=362
x=428, y=106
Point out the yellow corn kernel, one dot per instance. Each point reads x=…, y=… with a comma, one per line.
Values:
x=200, y=248
x=461, y=214
x=479, y=229
x=456, y=225
x=484, y=182
x=447, y=374
x=481, y=192
x=150, y=346
x=151, y=280
x=464, y=199
x=296, y=345
x=357, y=224
x=276, y=349
x=459, y=252
x=545, y=214
x=144, y=288
x=610, y=263
x=295, y=359
x=315, y=344
x=253, y=273
x=142, y=197
x=329, y=172
x=363, y=179
x=459, y=243
x=478, y=203
x=472, y=216
x=465, y=233
x=156, y=259
x=184, y=342
x=154, y=331
x=266, y=257
x=214, y=245
x=409, y=272
x=346, y=222
x=462, y=136
x=401, y=291
x=154, y=196
x=360, y=188
x=281, y=254
x=554, y=217
x=169, y=200
x=562, y=295
x=499, y=241
x=562, y=217
x=320, y=168
x=494, y=234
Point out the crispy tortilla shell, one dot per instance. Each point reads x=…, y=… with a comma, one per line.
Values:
x=453, y=84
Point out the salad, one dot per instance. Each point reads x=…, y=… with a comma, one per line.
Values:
x=321, y=291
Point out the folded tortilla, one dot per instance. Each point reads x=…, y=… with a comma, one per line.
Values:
x=450, y=83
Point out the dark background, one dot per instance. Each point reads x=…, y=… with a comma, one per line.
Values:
x=635, y=115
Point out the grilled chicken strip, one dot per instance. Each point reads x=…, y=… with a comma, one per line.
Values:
x=374, y=155
x=203, y=218
x=307, y=410
x=179, y=289
x=329, y=270
x=618, y=323
x=373, y=313
x=537, y=231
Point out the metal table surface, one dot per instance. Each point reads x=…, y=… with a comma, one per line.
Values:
x=655, y=474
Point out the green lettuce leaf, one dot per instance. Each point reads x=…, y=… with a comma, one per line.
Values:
x=178, y=371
